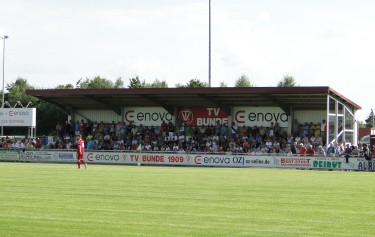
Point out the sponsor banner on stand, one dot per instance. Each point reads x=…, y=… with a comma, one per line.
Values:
x=9, y=155
x=147, y=116
x=260, y=116
x=202, y=116
x=18, y=117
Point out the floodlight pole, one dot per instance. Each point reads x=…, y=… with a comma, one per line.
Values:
x=2, y=102
x=209, y=43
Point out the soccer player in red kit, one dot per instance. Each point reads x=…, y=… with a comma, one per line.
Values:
x=80, y=151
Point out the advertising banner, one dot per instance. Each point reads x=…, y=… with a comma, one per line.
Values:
x=9, y=155
x=18, y=117
x=49, y=156
x=202, y=116
x=208, y=160
x=147, y=116
x=260, y=116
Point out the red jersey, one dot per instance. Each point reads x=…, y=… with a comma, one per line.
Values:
x=80, y=147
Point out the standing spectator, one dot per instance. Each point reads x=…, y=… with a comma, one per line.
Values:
x=217, y=128
x=38, y=144
x=277, y=129
x=94, y=127
x=296, y=129
x=272, y=130
x=164, y=128
x=76, y=128
x=224, y=130
x=347, y=152
x=72, y=128
x=101, y=127
x=82, y=128
x=44, y=142
x=170, y=130
x=366, y=154
x=234, y=130
x=59, y=130
x=134, y=131
x=323, y=130
x=67, y=128
x=293, y=147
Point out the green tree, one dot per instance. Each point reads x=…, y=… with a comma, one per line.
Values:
x=135, y=82
x=17, y=93
x=47, y=117
x=243, y=81
x=47, y=114
x=370, y=120
x=67, y=86
x=288, y=81
x=97, y=83
x=119, y=83
x=223, y=84
x=193, y=83
x=157, y=84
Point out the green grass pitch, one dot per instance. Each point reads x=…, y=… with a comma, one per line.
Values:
x=105, y=200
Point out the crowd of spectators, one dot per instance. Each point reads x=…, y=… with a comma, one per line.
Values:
x=304, y=139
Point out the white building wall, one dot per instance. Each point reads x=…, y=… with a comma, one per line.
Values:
x=97, y=115
x=315, y=116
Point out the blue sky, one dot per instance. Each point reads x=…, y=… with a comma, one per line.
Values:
x=319, y=43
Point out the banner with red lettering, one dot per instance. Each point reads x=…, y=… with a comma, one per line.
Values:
x=209, y=160
x=260, y=116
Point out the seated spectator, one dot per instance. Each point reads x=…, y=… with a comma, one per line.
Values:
x=320, y=151
x=331, y=150
x=287, y=149
x=355, y=151
x=338, y=150
x=302, y=149
x=310, y=150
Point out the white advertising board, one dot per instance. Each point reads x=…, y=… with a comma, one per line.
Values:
x=147, y=116
x=260, y=116
x=49, y=156
x=18, y=117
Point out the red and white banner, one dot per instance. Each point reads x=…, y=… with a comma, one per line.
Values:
x=214, y=160
x=260, y=116
x=201, y=116
x=147, y=116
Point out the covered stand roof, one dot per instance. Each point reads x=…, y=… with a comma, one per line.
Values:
x=286, y=98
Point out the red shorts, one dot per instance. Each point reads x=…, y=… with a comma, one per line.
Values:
x=80, y=156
